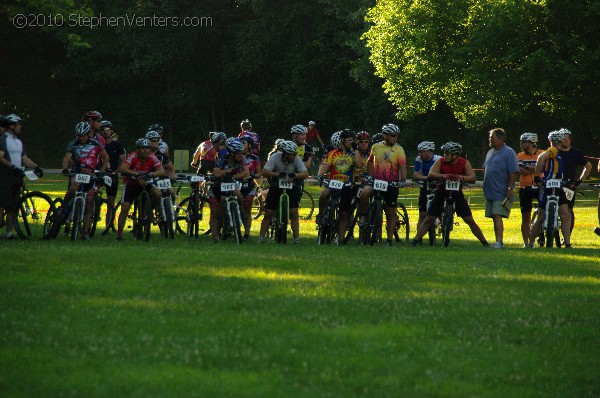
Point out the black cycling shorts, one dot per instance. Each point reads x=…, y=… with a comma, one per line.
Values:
x=461, y=207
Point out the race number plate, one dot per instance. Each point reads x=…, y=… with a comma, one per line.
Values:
x=380, y=185
x=196, y=178
x=107, y=181
x=335, y=184
x=83, y=178
x=452, y=185
x=164, y=184
x=552, y=184
x=285, y=184
x=228, y=186
x=31, y=175
x=569, y=193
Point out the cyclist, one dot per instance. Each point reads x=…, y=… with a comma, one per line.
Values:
x=377, y=138
x=450, y=166
x=423, y=164
x=550, y=163
x=305, y=152
x=387, y=162
x=83, y=155
x=231, y=165
x=276, y=147
x=285, y=164
x=12, y=160
x=165, y=160
x=116, y=154
x=206, y=153
x=313, y=133
x=249, y=186
x=528, y=191
x=572, y=158
x=164, y=147
x=333, y=144
x=340, y=163
x=246, y=127
x=362, y=139
x=138, y=167
x=94, y=119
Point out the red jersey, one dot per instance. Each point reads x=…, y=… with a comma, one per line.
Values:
x=134, y=162
x=208, y=152
x=457, y=168
x=311, y=135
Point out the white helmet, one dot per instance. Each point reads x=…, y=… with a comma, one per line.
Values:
x=390, y=129
x=336, y=141
x=12, y=119
x=531, y=137
x=556, y=136
x=566, y=131
x=299, y=129
x=452, y=147
x=289, y=147
x=426, y=146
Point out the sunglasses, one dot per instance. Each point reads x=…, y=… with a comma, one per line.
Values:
x=363, y=141
x=155, y=140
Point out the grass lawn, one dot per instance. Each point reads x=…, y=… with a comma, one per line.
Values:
x=191, y=318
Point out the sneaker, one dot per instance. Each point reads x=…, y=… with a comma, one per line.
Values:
x=119, y=237
x=569, y=246
x=498, y=245
x=527, y=246
x=12, y=237
x=388, y=243
x=597, y=231
x=485, y=244
x=362, y=221
x=414, y=243
x=296, y=241
x=246, y=237
x=261, y=239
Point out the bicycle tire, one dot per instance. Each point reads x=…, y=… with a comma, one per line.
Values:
x=182, y=217
x=257, y=206
x=376, y=222
x=33, y=211
x=282, y=222
x=109, y=225
x=306, y=207
x=77, y=224
x=333, y=221
x=402, y=229
x=169, y=218
x=236, y=218
x=100, y=206
x=354, y=216
x=325, y=225
x=447, y=221
x=550, y=221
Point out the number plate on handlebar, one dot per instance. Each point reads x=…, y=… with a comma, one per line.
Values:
x=31, y=175
x=83, y=178
x=196, y=178
x=552, y=184
x=569, y=193
x=285, y=184
x=380, y=185
x=164, y=184
x=107, y=181
x=452, y=185
x=335, y=184
x=228, y=186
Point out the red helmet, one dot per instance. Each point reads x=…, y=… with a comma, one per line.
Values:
x=363, y=135
x=92, y=115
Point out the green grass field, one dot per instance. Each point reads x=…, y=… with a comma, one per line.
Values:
x=190, y=318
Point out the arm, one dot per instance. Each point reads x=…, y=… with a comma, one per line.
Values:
x=126, y=170
x=158, y=172
x=359, y=162
x=105, y=160
x=403, y=172
x=67, y=160
x=511, y=184
x=219, y=173
x=586, y=171
x=32, y=165
x=470, y=173
x=434, y=172
x=539, y=163
x=245, y=172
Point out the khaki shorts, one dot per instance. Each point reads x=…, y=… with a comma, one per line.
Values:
x=494, y=207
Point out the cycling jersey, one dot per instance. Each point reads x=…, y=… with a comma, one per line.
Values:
x=553, y=165
x=423, y=167
x=457, y=168
x=208, y=152
x=253, y=163
x=134, y=162
x=12, y=146
x=305, y=152
x=163, y=146
x=527, y=160
x=85, y=155
x=312, y=134
x=223, y=164
x=341, y=164
x=570, y=160
x=387, y=161
x=98, y=139
x=114, y=149
x=362, y=171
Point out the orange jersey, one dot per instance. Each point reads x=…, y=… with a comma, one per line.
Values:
x=527, y=160
x=387, y=161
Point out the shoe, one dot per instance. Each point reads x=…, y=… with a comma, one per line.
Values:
x=318, y=218
x=85, y=237
x=246, y=237
x=362, y=221
x=414, y=243
x=12, y=237
x=261, y=240
x=569, y=246
x=119, y=237
x=498, y=245
x=527, y=246
x=296, y=241
x=485, y=244
x=388, y=243
x=597, y=231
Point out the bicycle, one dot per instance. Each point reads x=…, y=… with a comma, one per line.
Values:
x=306, y=207
x=551, y=232
x=279, y=223
x=191, y=209
x=232, y=221
x=372, y=231
x=165, y=213
x=447, y=217
x=328, y=229
x=33, y=210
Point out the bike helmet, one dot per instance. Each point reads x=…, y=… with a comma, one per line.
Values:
x=390, y=129
x=312, y=123
x=234, y=145
x=377, y=138
x=566, y=131
x=82, y=128
x=530, y=137
x=156, y=127
x=106, y=123
x=92, y=115
x=278, y=142
x=336, y=141
x=452, y=147
x=346, y=133
x=556, y=136
x=298, y=129
x=142, y=143
x=289, y=147
x=152, y=135
x=11, y=119
x=248, y=138
x=363, y=135
x=217, y=137
x=246, y=125
x=426, y=146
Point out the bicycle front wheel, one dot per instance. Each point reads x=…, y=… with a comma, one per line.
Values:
x=402, y=229
x=144, y=213
x=77, y=225
x=32, y=215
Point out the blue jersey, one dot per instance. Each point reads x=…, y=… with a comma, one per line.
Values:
x=423, y=167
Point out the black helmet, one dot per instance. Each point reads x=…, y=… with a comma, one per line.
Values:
x=346, y=133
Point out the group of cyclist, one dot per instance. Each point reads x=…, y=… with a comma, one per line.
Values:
x=355, y=159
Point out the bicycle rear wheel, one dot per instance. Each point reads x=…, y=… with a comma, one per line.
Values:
x=550, y=221
x=236, y=218
x=376, y=222
x=100, y=206
x=144, y=213
x=32, y=215
x=402, y=229
x=282, y=222
x=257, y=205
x=77, y=225
x=447, y=221
x=307, y=205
